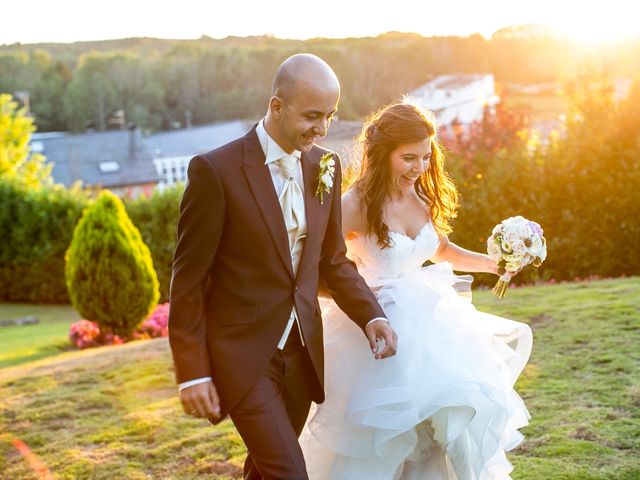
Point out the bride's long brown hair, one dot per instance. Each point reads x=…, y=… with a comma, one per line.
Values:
x=393, y=125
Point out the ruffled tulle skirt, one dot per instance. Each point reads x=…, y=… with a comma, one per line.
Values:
x=443, y=407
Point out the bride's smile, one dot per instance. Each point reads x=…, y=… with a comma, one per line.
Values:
x=408, y=162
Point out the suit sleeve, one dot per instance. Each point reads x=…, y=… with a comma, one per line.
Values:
x=199, y=230
x=339, y=274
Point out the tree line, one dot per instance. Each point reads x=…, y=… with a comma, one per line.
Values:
x=159, y=84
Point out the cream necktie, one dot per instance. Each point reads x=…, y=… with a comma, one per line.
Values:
x=292, y=203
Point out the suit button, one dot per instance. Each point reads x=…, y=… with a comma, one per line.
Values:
x=295, y=289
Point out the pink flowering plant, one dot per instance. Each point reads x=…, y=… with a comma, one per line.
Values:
x=156, y=324
x=86, y=334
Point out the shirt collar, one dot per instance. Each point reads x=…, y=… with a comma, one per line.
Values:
x=272, y=151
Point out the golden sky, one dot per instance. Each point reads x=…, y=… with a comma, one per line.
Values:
x=29, y=21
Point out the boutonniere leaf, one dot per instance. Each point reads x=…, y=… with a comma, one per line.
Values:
x=326, y=171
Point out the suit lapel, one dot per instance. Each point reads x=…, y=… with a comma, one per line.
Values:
x=311, y=202
x=264, y=193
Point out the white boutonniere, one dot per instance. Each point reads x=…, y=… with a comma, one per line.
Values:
x=325, y=175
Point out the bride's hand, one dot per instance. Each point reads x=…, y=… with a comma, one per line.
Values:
x=501, y=271
x=381, y=330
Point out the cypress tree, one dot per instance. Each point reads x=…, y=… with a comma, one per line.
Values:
x=109, y=270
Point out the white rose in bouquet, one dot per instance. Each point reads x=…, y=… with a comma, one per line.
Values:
x=510, y=236
x=535, y=248
x=543, y=250
x=519, y=247
x=498, y=229
x=494, y=250
x=515, y=221
x=524, y=231
x=504, y=245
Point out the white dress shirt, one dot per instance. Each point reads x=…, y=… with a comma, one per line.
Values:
x=274, y=152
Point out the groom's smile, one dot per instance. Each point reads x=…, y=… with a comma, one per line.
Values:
x=306, y=119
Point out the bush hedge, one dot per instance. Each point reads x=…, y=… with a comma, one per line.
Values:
x=36, y=227
x=157, y=219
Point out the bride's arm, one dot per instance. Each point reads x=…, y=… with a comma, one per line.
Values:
x=353, y=221
x=463, y=260
x=351, y=226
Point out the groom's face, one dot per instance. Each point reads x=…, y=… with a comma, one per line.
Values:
x=305, y=115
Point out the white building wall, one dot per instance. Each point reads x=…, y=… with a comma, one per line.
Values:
x=171, y=170
x=457, y=97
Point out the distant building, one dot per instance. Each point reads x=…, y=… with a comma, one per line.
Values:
x=131, y=164
x=126, y=162
x=172, y=150
x=459, y=97
x=117, y=160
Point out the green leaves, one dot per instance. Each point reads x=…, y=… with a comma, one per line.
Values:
x=16, y=159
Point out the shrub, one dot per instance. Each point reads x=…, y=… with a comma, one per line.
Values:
x=36, y=226
x=157, y=219
x=109, y=271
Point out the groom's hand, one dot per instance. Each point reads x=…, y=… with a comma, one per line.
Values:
x=381, y=330
x=201, y=401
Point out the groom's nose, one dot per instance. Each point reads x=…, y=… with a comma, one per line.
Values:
x=321, y=127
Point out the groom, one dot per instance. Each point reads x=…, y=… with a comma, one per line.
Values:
x=254, y=239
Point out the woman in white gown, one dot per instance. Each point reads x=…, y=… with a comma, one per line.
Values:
x=444, y=406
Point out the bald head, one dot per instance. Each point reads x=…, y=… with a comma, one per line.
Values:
x=303, y=71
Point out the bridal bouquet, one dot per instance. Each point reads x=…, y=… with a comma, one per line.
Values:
x=515, y=243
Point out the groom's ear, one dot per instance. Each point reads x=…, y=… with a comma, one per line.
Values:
x=276, y=105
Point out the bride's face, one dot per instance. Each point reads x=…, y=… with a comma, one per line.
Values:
x=407, y=162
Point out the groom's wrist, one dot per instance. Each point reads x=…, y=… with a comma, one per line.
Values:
x=377, y=319
x=191, y=383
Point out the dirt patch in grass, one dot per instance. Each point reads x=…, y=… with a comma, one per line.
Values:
x=584, y=433
x=540, y=320
x=222, y=468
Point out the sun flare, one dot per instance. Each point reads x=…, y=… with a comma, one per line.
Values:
x=593, y=29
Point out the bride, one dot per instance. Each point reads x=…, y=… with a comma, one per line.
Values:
x=444, y=406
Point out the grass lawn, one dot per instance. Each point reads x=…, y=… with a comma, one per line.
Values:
x=113, y=412
x=24, y=343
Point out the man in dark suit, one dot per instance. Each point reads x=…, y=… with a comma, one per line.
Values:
x=255, y=237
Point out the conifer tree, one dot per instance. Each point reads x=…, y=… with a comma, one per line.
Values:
x=109, y=270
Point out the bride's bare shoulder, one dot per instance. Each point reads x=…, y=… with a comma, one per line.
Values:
x=353, y=216
x=351, y=200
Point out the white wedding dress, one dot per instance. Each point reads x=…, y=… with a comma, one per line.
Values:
x=444, y=406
